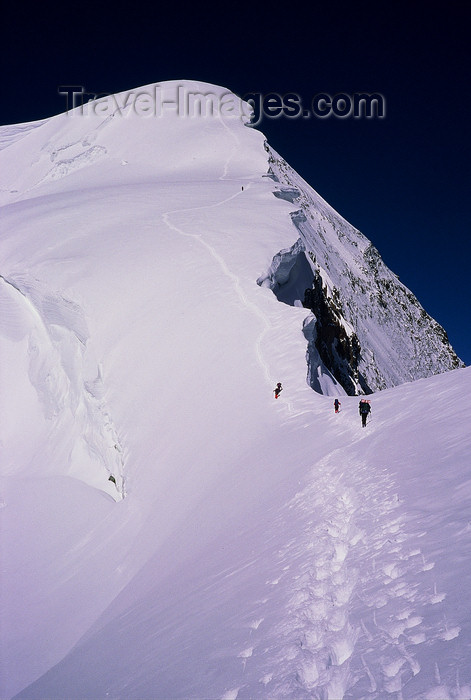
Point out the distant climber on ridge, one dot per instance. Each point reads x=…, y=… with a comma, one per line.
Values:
x=337, y=405
x=364, y=409
x=278, y=389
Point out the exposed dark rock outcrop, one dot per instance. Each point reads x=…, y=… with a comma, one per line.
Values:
x=338, y=350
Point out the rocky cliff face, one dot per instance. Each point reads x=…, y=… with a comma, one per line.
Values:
x=365, y=328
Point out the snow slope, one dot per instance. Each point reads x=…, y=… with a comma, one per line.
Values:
x=247, y=547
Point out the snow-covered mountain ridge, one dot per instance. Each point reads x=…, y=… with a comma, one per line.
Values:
x=248, y=547
x=367, y=328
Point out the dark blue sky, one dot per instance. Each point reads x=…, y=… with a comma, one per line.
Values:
x=403, y=180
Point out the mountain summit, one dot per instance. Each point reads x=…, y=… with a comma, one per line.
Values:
x=366, y=331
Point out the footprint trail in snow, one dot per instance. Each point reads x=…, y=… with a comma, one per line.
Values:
x=349, y=619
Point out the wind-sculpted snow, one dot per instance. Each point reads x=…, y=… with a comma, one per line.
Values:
x=263, y=548
x=68, y=383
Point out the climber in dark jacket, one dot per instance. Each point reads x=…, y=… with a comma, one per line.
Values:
x=364, y=409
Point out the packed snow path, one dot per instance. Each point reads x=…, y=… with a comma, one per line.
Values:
x=233, y=279
x=316, y=638
x=348, y=590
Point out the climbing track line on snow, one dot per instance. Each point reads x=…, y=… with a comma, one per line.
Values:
x=235, y=280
